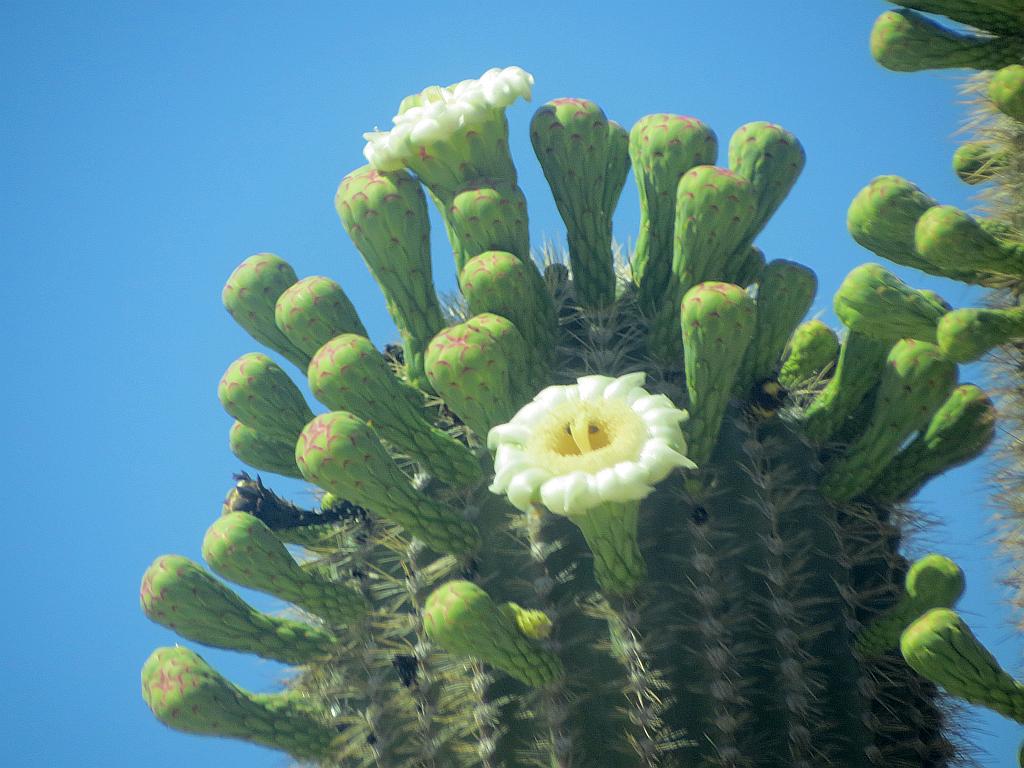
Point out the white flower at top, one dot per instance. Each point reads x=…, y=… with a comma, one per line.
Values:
x=577, y=446
x=441, y=111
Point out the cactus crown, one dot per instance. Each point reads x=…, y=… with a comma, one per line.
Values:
x=551, y=564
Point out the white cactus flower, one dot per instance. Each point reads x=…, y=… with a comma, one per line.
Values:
x=442, y=111
x=577, y=446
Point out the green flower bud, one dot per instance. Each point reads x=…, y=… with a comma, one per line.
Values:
x=461, y=618
x=250, y=295
x=188, y=695
x=180, y=595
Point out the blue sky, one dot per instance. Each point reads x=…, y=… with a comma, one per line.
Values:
x=148, y=147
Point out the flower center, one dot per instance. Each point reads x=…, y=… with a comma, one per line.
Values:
x=583, y=434
x=580, y=436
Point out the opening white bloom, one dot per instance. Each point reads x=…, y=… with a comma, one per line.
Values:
x=438, y=111
x=577, y=446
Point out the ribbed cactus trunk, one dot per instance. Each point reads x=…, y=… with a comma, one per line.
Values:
x=594, y=516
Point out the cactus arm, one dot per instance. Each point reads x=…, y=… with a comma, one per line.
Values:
x=715, y=209
x=242, y=549
x=662, y=148
x=785, y=293
x=476, y=366
x=461, y=617
x=718, y=324
x=180, y=595
x=975, y=162
x=341, y=453
x=916, y=381
x=965, y=335
x=255, y=391
x=250, y=295
x=385, y=215
x=999, y=16
x=906, y=41
x=497, y=282
x=349, y=374
x=1006, y=89
x=958, y=432
x=314, y=311
x=861, y=361
x=271, y=453
x=771, y=158
x=941, y=647
x=583, y=166
x=873, y=301
x=933, y=581
x=811, y=352
x=955, y=243
x=489, y=215
x=188, y=695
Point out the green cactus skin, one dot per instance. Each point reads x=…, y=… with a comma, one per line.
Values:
x=965, y=335
x=1006, y=89
x=998, y=16
x=489, y=215
x=242, y=549
x=255, y=391
x=341, y=453
x=882, y=218
x=771, y=159
x=610, y=531
x=178, y=594
x=662, y=148
x=785, y=293
x=188, y=695
x=249, y=296
x=933, y=581
x=873, y=301
x=496, y=282
x=718, y=323
x=906, y=41
x=716, y=624
x=941, y=647
x=861, y=361
x=975, y=163
x=715, y=209
x=269, y=453
x=811, y=352
x=752, y=268
x=314, y=311
x=471, y=367
x=585, y=160
x=349, y=374
x=955, y=244
x=916, y=381
x=959, y=431
x=464, y=620
x=385, y=215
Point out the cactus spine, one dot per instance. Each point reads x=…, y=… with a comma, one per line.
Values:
x=628, y=548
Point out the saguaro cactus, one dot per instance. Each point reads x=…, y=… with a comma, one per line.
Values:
x=628, y=547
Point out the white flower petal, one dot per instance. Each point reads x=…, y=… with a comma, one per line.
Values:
x=513, y=432
x=621, y=386
x=593, y=387
x=440, y=112
x=524, y=488
x=567, y=494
